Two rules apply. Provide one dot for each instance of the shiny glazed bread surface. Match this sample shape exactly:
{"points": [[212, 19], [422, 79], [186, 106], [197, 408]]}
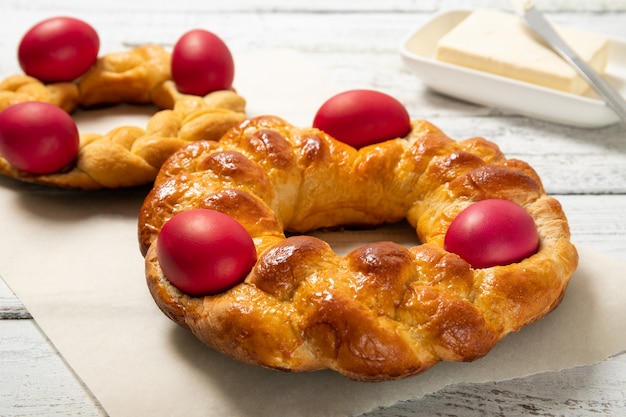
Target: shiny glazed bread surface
{"points": [[383, 311]]}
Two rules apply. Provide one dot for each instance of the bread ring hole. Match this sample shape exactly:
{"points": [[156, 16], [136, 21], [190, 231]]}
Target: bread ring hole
{"points": [[345, 240], [103, 120]]}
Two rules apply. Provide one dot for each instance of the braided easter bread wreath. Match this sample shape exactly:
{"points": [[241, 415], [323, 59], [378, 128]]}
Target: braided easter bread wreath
{"points": [[128, 155], [383, 311]]}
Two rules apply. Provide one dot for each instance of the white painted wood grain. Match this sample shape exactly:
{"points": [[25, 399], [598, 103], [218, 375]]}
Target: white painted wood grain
{"points": [[10, 306], [597, 390], [35, 381]]}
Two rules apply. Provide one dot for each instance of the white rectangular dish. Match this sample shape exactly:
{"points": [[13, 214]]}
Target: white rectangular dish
{"points": [[589, 111]]}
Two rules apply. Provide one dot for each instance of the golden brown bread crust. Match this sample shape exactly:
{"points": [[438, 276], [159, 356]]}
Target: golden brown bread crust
{"points": [[126, 156], [383, 311], [125, 77], [20, 88]]}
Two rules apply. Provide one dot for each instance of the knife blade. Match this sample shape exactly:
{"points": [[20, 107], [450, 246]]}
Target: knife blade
{"points": [[540, 25]]}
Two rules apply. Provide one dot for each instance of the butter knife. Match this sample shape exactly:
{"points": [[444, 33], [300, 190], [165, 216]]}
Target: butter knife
{"points": [[538, 24]]}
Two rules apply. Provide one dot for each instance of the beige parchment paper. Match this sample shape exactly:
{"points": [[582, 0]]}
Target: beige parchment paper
{"points": [[73, 260]]}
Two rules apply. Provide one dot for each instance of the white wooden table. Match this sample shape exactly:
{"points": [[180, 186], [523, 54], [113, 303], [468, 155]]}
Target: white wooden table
{"points": [[356, 44]]}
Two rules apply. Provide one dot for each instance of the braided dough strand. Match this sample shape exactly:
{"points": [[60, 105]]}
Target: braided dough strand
{"points": [[20, 88], [125, 77], [383, 311], [126, 156]]}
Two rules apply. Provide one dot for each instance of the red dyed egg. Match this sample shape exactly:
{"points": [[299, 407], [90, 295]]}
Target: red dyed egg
{"points": [[202, 63], [58, 49], [38, 138], [492, 232], [363, 117], [205, 252]]}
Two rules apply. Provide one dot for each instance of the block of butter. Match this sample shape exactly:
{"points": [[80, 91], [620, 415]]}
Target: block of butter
{"points": [[501, 43]]}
